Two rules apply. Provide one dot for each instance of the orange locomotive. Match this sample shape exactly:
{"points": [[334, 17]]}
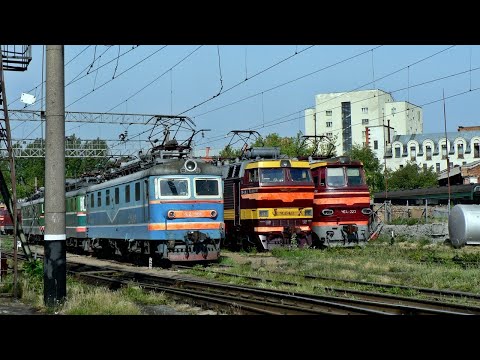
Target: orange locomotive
{"points": [[268, 199], [341, 205]]}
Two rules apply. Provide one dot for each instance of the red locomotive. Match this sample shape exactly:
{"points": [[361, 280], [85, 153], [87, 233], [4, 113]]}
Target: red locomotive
{"points": [[341, 205]]}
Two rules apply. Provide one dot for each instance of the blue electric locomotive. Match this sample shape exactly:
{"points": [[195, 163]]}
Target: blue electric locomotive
{"points": [[164, 204], [173, 210]]}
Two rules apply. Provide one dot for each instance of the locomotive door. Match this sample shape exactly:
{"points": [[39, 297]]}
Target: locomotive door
{"points": [[146, 202], [236, 199]]}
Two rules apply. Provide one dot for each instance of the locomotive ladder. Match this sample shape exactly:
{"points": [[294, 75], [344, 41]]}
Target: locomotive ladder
{"points": [[10, 200]]}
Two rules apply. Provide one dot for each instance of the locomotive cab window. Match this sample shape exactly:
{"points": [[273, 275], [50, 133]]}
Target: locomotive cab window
{"points": [[300, 175], [335, 177], [253, 175], [272, 175], [206, 187], [354, 176], [171, 187]]}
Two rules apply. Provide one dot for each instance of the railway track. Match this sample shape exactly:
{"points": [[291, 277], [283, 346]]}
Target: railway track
{"points": [[435, 301], [238, 299]]}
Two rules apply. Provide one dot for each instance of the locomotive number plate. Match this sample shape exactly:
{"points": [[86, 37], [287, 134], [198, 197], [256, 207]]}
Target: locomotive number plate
{"points": [[348, 211]]}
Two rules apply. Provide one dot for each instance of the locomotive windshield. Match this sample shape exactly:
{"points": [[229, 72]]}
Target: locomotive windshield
{"points": [[276, 175], [300, 175], [341, 176], [272, 175], [206, 187], [172, 187]]}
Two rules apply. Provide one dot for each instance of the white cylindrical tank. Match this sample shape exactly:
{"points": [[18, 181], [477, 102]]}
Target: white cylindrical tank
{"points": [[464, 225]]}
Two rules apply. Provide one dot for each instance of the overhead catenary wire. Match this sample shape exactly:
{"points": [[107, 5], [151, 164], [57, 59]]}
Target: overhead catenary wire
{"points": [[41, 84], [123, 72], [246, 78], [363, 85], [276, 120], [286, 83]]}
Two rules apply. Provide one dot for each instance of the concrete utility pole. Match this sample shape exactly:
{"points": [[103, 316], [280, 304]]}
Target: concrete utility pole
{"points": [[55, 267]]}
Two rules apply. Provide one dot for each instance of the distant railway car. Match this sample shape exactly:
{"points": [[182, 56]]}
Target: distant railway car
{"points": [[267, 200], [341, 205], [6, 224], [33, 217], [459, 194]]}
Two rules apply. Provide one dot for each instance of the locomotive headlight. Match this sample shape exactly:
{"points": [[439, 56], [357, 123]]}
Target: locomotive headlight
{"points": [[171, 214], [263, 213], [327, 212], [308, 212], [366, 211], [190, 165], [213, 213]]}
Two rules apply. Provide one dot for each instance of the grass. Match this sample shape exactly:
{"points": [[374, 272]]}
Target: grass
{"points": [[409, 262]]}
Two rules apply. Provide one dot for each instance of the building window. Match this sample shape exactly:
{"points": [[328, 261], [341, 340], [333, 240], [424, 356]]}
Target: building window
{"points": [[464, 163], [460, 151], [401, 166], [476, 150], [328, 112], [397, 152], [428, 150], [375, 144], [364, 121], [424, 166], [413, 154], [329, 124], [444, 151], [329, 134], [364, 133], [437, 167], [364, 110]]}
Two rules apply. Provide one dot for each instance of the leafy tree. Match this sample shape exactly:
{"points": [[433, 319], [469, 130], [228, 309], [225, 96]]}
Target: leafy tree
{"points": [[229, 153], [412, 177], [371, 165], [29, 170]]}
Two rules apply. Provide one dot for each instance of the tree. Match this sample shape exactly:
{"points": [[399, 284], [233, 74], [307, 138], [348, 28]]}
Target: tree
{"points": [[412, 177], [229, 153], [371, 165]]}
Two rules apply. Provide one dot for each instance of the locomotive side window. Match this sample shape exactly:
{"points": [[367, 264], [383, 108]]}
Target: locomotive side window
{"points": [[137, 191], [354, 176], [107, 197], [127, 193], [253, 175], [82, 203], [117, 195], [206, 187], [335, 177], [99, 199], [92, 203], [300, 175]]}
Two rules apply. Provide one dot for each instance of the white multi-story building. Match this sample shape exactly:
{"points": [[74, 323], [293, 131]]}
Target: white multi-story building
{"points": [[347, 115], [427, 150]]}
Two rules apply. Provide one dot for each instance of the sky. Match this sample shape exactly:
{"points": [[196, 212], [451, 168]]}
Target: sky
{"points": [[238, 87]]}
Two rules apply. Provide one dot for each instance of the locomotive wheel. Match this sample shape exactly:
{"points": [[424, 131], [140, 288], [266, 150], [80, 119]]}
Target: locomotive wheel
{"points": [[107, 250], [316, 242]]}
